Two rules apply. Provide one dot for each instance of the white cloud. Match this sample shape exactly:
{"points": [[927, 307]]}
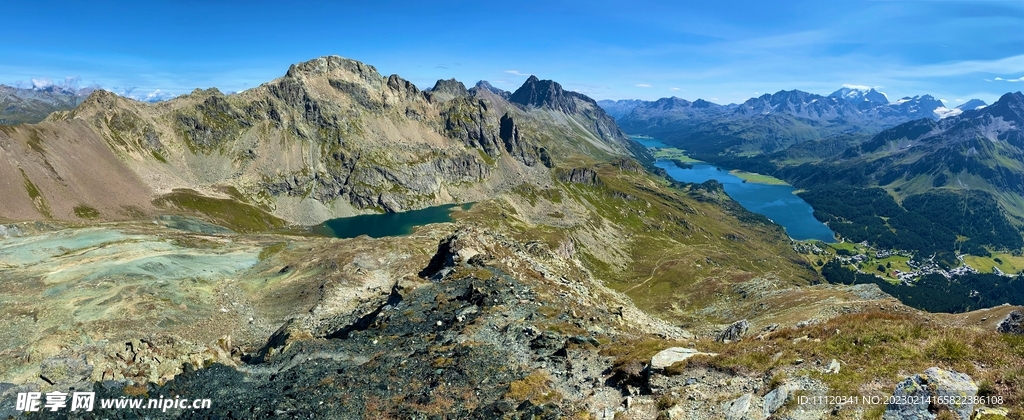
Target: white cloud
{"points": [[41, 83], [999, 78], [959, 100], [1021, 79], [943, 100], [857, 87], [516, 72], [675, 89], [156, 96], [643, 85]]}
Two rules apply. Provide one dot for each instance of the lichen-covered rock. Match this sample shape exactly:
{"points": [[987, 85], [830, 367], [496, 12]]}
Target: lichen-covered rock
{"points": [[1012, 324], [918, 394], [735, 331], [914, 391], [775, 399], [944, 383]]}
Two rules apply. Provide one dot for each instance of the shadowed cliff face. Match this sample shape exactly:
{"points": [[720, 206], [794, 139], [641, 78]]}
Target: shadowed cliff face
{"points": [[330, 138]]}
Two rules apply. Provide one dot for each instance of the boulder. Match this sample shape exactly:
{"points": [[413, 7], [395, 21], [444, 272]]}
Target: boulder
{"points": [[1012, 323], [735, 331], [946, 383], [739, 408], [671, 355], [934, 382], [775, 399]]}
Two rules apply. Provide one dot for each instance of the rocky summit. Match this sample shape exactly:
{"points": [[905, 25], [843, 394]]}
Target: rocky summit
{"points": [[162, 253]]}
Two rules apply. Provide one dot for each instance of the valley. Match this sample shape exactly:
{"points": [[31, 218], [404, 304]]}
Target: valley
{"points": [[937, 186]]}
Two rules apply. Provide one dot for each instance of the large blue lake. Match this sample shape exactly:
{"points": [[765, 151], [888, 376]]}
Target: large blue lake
{"points": [[777, 202]]}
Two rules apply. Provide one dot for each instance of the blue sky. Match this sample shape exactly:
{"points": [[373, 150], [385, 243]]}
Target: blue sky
{"points": [[721, 51]]}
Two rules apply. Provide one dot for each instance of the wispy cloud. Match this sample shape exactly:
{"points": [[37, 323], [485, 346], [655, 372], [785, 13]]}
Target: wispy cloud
{"points": [[999, 78], [1021, 79], [643, 85], [674, 89], [516, 72], [857, 87], [1004, 65]]}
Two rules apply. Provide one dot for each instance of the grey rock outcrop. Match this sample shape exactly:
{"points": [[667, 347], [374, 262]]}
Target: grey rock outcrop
{"points": [[735, 331], [468, 120], [775, 399], [916, 390], [740, 408], [1012, 324], [670, 356], [585, 176]]}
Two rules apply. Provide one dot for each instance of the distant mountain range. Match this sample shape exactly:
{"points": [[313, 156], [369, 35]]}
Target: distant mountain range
{"points": [[977, 149], [21, 105], [773, 122]]}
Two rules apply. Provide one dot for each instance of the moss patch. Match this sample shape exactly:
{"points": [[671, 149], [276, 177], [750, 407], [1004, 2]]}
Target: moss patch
{"points": [[85, 212], [229, 213], [37, 197]]}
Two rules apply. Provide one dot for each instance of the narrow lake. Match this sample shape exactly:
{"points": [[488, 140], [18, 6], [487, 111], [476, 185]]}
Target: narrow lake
{"points": [[386, 224], [777, 202]]}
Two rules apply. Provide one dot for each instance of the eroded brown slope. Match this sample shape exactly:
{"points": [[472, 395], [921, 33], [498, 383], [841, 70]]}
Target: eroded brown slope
{"points": [[50, 169]]}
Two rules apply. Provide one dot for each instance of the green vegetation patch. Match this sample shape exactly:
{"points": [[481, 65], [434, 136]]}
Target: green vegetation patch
{"points": [[85, 212], [671, 153], [757, 178], [37, 197], [1007, 263], [229, 213], [535, 387], [271, 250]]}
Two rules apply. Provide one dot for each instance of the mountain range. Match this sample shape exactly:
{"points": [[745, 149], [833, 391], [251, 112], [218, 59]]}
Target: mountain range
{"points": [[21, 105], [305, 147], [773, 122]]}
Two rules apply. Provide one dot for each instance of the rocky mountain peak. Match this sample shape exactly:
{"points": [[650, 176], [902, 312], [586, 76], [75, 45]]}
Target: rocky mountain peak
{"points": [[1010, 107], [450, 86], [333, 64], [485, 85], [700, 103], [972, 105], [672, 103], [859, 94], [544, 93], [445, 90]]}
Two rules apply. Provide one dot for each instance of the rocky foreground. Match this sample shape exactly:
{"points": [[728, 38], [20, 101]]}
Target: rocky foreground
{"points": [[490, 328]]}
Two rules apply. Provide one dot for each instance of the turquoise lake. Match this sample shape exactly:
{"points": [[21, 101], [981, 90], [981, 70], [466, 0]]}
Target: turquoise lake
{"points": [[776, 202], [386, 224]]}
